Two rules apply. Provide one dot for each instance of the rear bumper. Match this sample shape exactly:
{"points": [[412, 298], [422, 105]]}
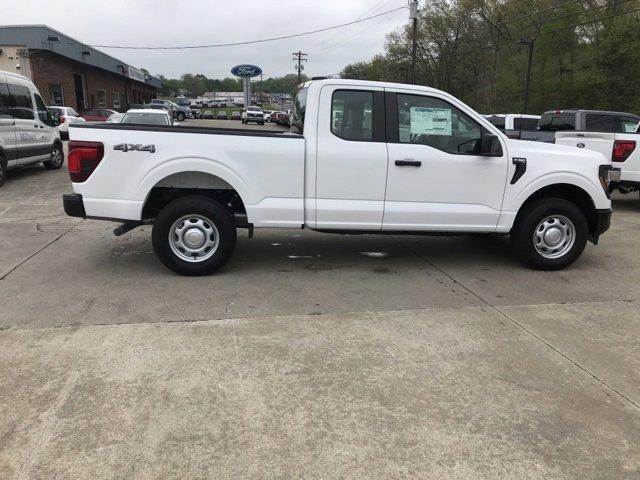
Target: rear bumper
{"points": [[601, 224], [73, 205]]}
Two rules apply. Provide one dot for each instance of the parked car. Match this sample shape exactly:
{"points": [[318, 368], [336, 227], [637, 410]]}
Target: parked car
{"points": [[282, 119], [28, 132], [253, 114], [115, 118], [179, 112], [420, 156], [161, 106], [582, 121], [236, 116], [512, 125], [148, 116], [64, 116], [96, 114], [208, 115], [622, 148], [222, 115]]}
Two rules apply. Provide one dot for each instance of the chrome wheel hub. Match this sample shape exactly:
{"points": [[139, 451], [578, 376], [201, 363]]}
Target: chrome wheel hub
{"points": [[554, 236], [193, 238]]}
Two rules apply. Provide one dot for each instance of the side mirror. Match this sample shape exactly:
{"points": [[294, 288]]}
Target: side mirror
{"points": [[490, 145]]}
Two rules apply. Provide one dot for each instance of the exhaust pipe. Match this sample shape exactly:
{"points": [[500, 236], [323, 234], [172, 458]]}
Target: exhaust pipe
{"points": [[626, 189]]}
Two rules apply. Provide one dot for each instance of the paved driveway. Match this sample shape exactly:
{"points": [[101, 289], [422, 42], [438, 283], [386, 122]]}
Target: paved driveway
{"points": [[311, 355]]}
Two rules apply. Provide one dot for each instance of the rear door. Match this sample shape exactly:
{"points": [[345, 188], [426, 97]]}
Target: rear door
{"points": [[47, 132], [7, 125], [351, 169]]}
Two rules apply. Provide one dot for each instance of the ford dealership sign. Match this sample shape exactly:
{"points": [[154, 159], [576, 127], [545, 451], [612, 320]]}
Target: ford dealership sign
{"points": [[246, 71]]}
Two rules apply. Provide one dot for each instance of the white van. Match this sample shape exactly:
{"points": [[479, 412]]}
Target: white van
{"points": [[28, 132]]}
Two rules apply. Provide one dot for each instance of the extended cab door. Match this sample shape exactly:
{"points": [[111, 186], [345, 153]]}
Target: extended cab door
{"points": [[437, 179], [351, 168]]}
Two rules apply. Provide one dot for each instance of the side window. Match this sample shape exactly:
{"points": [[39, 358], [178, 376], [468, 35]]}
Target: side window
{"points": [[43, 113], [6, 102], [23, 105], [352, 115], [438, 124], [598, 122], [628, 125]]}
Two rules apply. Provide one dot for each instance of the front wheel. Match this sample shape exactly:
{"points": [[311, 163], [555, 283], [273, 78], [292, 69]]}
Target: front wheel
{"points": [[550, 234], [194, 236], [56, 158]]}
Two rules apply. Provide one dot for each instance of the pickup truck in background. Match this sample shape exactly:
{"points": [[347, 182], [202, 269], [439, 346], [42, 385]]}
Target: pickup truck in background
{"points": [[402, 159], [622, 148], [580, 120], [513, 124]]}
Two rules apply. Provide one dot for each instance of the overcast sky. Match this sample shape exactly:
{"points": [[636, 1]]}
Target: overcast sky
{"points": [[191, 22]]}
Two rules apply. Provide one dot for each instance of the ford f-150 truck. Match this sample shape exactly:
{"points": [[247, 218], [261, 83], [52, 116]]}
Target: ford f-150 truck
{"points": [[622, 148], [402, 158]]}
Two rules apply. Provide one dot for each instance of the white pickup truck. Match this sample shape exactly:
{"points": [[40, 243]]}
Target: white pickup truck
{"points": [[401, 158], [622, 148]]}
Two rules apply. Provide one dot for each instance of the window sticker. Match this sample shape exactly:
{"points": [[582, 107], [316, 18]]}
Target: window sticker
{"points": [[430, 121]]}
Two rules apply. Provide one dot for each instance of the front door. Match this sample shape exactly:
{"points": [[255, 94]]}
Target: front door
{"points": [[351, 158], [437, 180]]}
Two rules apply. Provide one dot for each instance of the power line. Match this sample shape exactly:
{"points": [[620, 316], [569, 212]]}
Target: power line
{"points": [[251, 42], [537, 12]]}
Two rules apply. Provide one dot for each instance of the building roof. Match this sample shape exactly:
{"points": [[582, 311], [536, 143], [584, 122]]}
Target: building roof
{"points": [[42, 37]]}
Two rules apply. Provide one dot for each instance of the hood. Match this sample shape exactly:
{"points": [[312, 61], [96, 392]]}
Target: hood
{"points": [[541, 151]]}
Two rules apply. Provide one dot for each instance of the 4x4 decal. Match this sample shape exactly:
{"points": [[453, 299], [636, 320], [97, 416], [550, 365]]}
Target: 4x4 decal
{"points": [[127, 147]]}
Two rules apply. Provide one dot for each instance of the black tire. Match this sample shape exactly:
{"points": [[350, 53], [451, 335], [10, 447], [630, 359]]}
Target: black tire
{"points": [[181, 116], [3, 170], [56, 159], [554, 212], [214, 216]]}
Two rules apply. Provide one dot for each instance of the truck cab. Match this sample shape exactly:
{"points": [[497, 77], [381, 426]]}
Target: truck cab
{"points": [[366, 157]]}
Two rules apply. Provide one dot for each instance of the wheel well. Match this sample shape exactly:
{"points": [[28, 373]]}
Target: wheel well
{"points": [[192, 183], [575, 195]]}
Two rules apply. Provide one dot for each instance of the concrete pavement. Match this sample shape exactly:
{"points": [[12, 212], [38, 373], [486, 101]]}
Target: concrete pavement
{"points": [[311, 355]]}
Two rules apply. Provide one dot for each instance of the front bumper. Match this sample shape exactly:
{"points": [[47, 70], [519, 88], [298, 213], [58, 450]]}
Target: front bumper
{"points": [[73, 205], [600, 224]]}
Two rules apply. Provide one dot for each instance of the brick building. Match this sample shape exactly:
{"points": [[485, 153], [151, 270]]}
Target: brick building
{"points": [[70, 73]]}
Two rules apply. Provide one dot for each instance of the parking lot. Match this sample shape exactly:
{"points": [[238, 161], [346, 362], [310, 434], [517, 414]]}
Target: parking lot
{"points": [[311, 355]]}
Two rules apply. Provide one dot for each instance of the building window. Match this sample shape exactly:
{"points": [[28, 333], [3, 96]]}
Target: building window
{"points": [[116, 99], [56, 96], [102, 98]]}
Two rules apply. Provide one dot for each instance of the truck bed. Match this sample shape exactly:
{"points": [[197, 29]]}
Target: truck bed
{"points": [[265, 168]]}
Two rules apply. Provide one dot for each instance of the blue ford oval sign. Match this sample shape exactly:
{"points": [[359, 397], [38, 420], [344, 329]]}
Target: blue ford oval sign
{"points": [[246, 71]]}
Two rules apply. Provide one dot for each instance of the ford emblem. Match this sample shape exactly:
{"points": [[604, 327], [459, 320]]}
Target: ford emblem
{"points": [[580, 145], [246, 71]]}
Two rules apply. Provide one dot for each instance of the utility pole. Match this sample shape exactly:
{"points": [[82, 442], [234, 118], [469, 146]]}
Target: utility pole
{"points": [[299, 57], [529, 42], [413, 15]]}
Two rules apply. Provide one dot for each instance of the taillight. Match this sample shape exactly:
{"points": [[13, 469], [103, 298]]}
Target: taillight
{"points": [[622, 149], [83, 159], [61, 120]]}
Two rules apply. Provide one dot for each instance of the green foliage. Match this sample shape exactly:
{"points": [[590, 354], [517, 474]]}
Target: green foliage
{"points": [[469, 48], [199, 84]]}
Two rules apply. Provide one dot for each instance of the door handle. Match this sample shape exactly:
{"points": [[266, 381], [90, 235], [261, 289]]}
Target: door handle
{"points": [[35, 126], [408, 163]]}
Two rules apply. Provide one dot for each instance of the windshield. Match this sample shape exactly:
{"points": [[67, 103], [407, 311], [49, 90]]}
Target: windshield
{"points": [[297, 121], [146, 119]]}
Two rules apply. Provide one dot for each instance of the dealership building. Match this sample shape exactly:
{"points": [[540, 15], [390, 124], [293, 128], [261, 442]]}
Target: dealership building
{"points": [[70, 73]]}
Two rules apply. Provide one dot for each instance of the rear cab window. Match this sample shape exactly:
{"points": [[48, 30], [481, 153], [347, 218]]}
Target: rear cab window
{"points": [[601, 122], [352, 115], [300, 106], [556, 121], [525, 123], [498, 121]]}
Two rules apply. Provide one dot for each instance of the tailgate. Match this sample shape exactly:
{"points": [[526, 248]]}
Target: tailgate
{"points": [[598, 142]]}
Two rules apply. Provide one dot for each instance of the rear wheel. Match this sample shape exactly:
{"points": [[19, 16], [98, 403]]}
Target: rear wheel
{"points": [[194, 236], [56, 158], [181, 116], [550, 234]]}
